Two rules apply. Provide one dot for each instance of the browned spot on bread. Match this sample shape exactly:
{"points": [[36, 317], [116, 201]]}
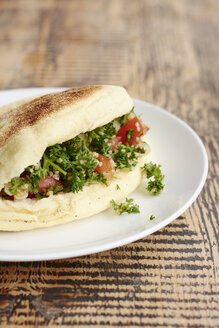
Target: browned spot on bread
{"points": [[30, 113]]}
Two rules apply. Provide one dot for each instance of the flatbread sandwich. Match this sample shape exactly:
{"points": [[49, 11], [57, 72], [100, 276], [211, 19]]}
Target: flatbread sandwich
{"points": [[65, 156]]}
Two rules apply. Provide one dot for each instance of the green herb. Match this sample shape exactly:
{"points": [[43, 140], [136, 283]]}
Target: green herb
{"points": [[152, 217], [83, 161], [73, 161], [140, 150], [129, 134], [47, 162], [57, 188], [60, 156], [117, 187], [128, 206], [45, 192], [98, 177], [34, 173], [98, 138], [75, 181], [155, 176], [123, 119], [15, 184], [81, 168], [125, 157]]}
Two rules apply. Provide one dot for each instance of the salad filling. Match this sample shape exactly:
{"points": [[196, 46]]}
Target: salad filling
{"points": [[93, 156]]}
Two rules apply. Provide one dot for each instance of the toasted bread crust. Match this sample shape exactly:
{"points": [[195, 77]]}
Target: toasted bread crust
{"points": [[27, 130], [32, 112]]}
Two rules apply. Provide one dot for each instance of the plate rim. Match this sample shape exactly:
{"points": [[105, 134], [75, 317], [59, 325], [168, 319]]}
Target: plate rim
{"points": [[54, 255]]}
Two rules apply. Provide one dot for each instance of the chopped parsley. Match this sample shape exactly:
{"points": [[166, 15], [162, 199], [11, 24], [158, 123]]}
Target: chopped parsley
{"points": [[34, 173], [58, 188], [129, 134], [15, 184], [74, 162], [98, 138], [128, 206], [125, 157], [124, 118], [117, 187], [155, 177], [45, 192], [152, 217]]}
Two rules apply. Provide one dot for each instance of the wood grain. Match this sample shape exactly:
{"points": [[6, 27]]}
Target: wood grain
{"points": [[162, 51]]}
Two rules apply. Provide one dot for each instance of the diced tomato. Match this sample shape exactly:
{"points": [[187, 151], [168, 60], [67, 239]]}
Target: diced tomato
{"points": [[133, 124], [11, 197], [114, 142], [45, 183], [104, 164]]}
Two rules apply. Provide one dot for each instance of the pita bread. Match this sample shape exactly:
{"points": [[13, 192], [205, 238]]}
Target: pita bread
{"points": [[32, 127], [27, 130]]}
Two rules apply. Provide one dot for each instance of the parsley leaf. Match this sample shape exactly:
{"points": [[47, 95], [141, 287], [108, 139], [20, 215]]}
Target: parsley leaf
{"points": [[129, 134], [81, 168], [124, 118], [58, 188], [98, 177], [98, 138], [54, 165], [75, 181], [128, 206], [125, 157], [140, 150], [152, 217], [155, 176], [34, 173], [15, 184]]}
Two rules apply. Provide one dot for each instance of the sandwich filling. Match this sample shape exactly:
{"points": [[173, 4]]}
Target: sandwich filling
{"points": [[92, 157]]}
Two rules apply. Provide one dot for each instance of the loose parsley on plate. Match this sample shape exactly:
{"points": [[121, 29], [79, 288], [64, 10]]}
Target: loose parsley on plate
{"points": [[128, 206], [155, 176]]}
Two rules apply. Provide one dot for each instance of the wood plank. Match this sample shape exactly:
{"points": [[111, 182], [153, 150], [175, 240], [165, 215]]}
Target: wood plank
{"points": [[165, 52]]}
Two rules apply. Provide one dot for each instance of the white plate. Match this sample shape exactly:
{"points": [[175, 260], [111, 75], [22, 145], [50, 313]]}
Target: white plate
{"points": [[184, 162]]}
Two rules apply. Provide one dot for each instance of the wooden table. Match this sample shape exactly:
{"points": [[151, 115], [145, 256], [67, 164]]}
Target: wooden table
{"points": [[165, 52]]}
